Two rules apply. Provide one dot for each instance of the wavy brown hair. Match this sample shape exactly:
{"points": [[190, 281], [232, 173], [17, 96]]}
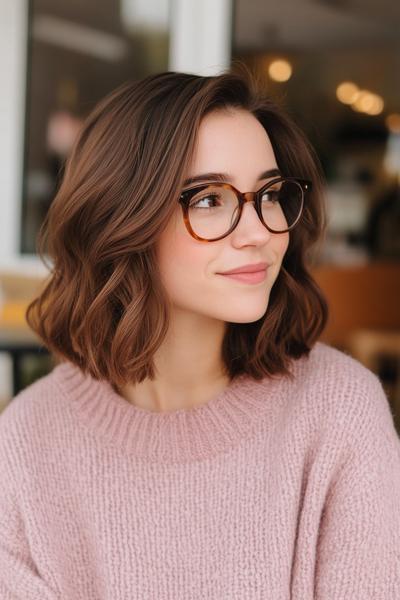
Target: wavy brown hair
{"points": [[103, 306]]}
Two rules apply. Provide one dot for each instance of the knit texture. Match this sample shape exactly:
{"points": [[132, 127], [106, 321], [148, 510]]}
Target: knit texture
{"points": [[273, 489]]}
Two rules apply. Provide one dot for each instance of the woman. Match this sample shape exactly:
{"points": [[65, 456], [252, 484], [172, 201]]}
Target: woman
{"points": [[195, 439]]}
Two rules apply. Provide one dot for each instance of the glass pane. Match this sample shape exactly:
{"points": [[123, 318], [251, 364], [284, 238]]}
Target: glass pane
{"points": [[78, 52]]}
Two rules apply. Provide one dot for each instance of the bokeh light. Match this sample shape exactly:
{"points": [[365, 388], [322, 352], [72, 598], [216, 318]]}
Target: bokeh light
{"points": [[280, 70]]}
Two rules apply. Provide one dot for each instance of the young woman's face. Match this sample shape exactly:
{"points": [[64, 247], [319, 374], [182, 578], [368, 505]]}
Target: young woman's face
{"points": [[235, 143]]}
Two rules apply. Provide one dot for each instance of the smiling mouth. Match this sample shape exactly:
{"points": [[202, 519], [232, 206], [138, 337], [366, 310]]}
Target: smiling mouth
{"points": [[246, 277]]}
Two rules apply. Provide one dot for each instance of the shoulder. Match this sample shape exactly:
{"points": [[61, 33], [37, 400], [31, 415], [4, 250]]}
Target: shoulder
{"points": [[31, 410], [327, 363], [342, 390], [333, 371]]}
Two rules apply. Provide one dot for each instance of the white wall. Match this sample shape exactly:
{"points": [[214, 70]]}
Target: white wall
{"points": [[13, 66], [200, 40], [13, 40]]}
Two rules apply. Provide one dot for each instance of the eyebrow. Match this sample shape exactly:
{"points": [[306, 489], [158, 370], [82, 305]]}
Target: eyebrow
{"points": [[223, 177]]}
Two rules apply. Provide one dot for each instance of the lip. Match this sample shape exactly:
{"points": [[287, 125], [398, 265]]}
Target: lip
{"points": [[255, 277], [252, 268]]}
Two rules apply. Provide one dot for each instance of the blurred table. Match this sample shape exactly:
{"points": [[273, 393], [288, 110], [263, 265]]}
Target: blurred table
{"points": [[18, 340]]}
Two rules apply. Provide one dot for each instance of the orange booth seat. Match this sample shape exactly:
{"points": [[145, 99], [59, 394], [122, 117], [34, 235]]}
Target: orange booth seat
{"points": [[364, 320]]}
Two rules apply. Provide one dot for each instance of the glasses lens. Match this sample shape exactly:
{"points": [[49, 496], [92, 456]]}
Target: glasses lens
{"points": [[212, 211], [214, 208], [281, 204]]}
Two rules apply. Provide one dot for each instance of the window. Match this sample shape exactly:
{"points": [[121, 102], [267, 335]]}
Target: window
{"points": [[77, 53]]}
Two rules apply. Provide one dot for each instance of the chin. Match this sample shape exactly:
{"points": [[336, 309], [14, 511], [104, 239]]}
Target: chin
{"points": [[239, 317]]}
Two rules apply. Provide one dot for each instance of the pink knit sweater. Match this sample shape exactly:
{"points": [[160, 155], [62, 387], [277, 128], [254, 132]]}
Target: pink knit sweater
{"points": [[273, 490]]}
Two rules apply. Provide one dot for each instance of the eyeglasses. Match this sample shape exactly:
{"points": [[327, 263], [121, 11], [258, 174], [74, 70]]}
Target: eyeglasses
{"points": [[211, 211]]}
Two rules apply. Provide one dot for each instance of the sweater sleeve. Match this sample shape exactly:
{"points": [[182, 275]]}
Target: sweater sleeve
{"points": [[358, 550], [19, 576]]}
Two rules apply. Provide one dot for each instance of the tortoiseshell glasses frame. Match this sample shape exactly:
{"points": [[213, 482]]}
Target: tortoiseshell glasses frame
{"points": [[184, 200]]}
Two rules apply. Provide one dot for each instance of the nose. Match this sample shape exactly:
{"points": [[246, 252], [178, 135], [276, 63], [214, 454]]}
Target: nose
{"points": [[250, 226]]}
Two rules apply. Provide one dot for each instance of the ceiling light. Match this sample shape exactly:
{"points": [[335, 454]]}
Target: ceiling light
{"points": [[280, 70], [347, 92], [368, 102]]}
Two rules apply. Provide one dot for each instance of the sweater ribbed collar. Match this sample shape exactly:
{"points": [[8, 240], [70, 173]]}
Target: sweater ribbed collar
{"points": [[176, 436]]}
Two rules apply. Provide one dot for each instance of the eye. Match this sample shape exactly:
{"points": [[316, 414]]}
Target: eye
{"points": [[211, 198], [270, 195]]}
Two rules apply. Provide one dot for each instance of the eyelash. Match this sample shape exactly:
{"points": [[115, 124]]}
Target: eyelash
{"points": [[192, 205]]}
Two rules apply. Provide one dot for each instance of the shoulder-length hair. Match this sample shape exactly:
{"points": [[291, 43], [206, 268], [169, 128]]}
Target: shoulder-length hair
{"points": [[103, 307]]}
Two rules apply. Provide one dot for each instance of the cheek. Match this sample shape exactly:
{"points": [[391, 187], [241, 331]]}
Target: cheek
{"points": [[182, 261], [280, 245]]}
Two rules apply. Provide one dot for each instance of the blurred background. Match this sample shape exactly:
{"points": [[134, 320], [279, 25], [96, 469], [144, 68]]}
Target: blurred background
{"points": [[334, 66]]}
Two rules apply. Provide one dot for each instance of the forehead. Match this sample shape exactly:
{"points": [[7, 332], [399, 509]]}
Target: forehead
{"points": [[234, 141]]}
